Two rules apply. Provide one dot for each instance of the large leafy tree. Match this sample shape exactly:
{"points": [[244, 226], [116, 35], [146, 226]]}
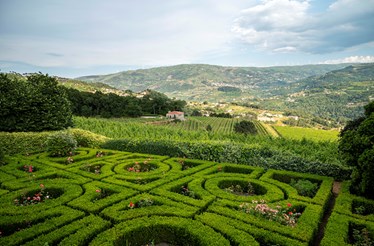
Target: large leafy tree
{"points": [[357, 150], [34, 103]]}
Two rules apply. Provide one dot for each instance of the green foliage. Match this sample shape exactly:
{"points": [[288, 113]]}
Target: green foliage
{"points": [[2, 156], [34, 103], [299, 133], [209, 128], [305, 187], [113, 105], [357, 150], [61, 144], [246, 127], [28, 142]]}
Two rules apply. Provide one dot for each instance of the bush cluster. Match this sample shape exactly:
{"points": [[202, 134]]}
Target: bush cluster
{"points": [[228, 152], [34, 103], [28, 142]]}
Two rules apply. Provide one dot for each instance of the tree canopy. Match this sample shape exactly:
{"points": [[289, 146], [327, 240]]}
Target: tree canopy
{"points": [[33, 103], [357, 150]]}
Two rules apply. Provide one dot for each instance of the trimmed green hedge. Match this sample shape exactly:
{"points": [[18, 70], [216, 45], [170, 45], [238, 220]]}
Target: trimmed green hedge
{"points": [[79, 232], [233, 230], [161, 206], [157, 229], [338, 229], [304, 231], [29, 142], [229, 152], [352, 205], [43, 222], [283, 178]]}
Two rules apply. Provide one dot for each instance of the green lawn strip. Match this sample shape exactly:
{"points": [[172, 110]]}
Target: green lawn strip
{"points": [[79, 232], [18, 229], [282, 179], [339, 227], [307, 224], [60, 191], [99, 195], [173, 190], [240, 233], [352, 205], [263, 191], [161, 206], [158, 229]]}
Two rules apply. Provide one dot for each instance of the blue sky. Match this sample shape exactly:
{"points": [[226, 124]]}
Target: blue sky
{"points": [[73, 38]]}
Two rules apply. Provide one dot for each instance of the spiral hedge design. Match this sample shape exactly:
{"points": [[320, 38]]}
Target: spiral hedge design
{"points": [[99, 198]]}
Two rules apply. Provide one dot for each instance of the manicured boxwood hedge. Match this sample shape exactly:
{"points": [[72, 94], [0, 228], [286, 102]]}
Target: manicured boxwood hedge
{"points": [[117, 205], [234, 153]]}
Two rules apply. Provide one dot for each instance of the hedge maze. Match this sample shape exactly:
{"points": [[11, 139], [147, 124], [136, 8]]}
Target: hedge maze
{"points": [[118, 198]]}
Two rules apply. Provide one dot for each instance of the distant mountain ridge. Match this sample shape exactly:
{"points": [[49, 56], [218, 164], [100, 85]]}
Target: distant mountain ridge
{"points": [[201, 82], [329, 93]]}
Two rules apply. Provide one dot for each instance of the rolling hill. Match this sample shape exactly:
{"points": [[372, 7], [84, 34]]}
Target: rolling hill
{"points": [[326, 94]]}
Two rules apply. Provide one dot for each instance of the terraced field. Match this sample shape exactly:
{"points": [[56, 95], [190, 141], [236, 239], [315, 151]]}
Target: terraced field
{"points": [[120, 198]]}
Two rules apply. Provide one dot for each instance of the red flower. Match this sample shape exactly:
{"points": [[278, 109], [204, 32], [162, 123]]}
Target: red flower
{"points": [[98, 191], [290, 213], [131, 205], [41, 185], [289, 204], [30, 169]]}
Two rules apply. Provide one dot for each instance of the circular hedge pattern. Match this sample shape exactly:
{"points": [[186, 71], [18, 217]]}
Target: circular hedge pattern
{"points": [[98, 199]]}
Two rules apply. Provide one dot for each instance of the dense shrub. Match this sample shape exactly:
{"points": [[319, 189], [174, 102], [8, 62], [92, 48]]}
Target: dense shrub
{"points": [[61, 144], [357, 150], [27, 142], [228, 152], [34, 103], [1, 155], [304, 187], [246, 127]]}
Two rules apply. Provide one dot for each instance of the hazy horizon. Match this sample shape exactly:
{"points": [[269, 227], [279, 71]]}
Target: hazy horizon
{"points": [[77, 38]]}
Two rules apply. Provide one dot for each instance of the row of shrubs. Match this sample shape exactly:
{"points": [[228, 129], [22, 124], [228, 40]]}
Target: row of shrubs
{"points": [[60, 143], [30, 142], [233, 153]]}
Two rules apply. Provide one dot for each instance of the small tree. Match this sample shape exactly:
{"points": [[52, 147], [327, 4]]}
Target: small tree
{"points": [[246, 127], [356, 146], [209, 128]]}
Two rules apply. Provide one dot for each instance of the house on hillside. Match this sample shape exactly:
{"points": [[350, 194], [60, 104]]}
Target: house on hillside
{"points": [[175, 115]]}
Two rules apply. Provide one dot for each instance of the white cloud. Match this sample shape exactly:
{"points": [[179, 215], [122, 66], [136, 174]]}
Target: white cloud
{"points": [[289, 25], [351, 59]]}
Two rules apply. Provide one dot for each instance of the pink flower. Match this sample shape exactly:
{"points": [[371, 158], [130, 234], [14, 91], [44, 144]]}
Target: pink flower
{"points": [[30, 169], [28, 198], [289, 204], [41, 185], [98, 191]]}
